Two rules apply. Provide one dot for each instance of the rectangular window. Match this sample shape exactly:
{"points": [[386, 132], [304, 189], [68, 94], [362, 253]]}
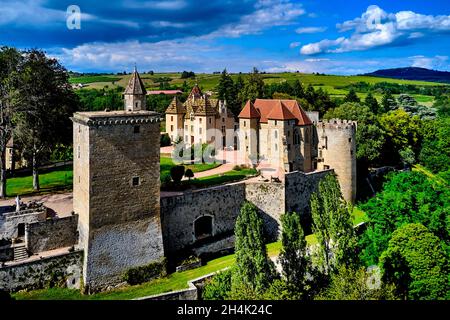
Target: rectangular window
{"points": [[200, 130], [137, 129], [244, 124], [209, 120], [326, 167], [276, 147], [275, 122], [200, 119], [78, 151], [171, 118], [171, 128], [192, 128], [136, 181], [186, 127]]}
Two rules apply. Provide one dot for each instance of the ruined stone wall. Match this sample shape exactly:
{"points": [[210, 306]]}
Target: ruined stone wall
{"points": [[178, 213], [63, 269], [51, 234]]}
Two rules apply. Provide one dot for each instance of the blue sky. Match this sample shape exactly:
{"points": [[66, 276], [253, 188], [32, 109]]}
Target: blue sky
{"points": [[335, 37]]}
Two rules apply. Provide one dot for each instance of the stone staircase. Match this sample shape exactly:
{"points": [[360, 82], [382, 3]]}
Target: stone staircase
{"points": [[20, 253]]}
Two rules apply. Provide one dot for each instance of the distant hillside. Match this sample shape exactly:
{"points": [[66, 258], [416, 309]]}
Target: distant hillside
{"points": [[412, 73]]}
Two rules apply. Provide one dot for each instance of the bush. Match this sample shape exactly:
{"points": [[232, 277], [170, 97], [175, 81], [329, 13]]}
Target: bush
{"points": [[189, 174], [218, 287], [165, 140], [237, 168], [145, 273], [177, 173]]}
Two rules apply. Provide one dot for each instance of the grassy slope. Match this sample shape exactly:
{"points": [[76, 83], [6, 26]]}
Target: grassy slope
{"points": [[174, 281], [330, 83]]}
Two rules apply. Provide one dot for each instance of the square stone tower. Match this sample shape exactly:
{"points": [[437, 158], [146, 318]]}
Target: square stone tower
{"points": [[116, 193]]}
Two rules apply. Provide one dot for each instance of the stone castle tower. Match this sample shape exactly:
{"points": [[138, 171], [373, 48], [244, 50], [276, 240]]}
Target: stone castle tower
{"points": [[135, 93], [248, 129], [116, 192], [337, 150]]}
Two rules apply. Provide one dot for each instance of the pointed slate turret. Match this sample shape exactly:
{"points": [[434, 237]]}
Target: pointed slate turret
{"points": [[135, 93], [175, 107]]}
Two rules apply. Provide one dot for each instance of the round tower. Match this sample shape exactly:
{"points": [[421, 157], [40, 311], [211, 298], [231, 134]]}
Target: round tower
{"points": [[337, 150]]}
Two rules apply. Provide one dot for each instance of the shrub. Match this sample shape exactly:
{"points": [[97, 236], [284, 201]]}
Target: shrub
{"points": [[218, 287], [189, 174], [177, 173], [165, 140], [237, 168], [145, 273]]}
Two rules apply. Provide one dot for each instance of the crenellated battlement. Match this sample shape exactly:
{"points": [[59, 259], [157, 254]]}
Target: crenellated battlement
{"points": [[338, 124]]}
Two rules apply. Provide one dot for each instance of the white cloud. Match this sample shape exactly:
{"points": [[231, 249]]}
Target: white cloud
{"points": [[310, 30], [268, 14], [377, 28], [435, 62], [161, 5], [294, 45]]}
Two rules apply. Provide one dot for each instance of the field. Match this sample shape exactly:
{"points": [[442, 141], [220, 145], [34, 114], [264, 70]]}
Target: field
{"points": [[331, 83]]}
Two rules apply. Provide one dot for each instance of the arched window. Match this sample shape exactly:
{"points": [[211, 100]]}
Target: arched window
{"points": [[203, 227]]}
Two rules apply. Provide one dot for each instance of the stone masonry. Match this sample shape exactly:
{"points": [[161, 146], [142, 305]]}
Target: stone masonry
{"points": [[116, 193]]}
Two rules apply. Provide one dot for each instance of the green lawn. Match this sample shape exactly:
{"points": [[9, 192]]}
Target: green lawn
{"points": [[59, 179], [50, 180], [166, 163], [226, 177]]}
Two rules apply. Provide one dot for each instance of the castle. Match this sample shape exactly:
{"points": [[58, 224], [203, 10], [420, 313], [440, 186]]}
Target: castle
{"points": [[201, 119], [121, 220]]}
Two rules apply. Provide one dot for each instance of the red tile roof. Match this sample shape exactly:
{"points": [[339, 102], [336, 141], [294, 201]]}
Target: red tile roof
{"points": [[277, 110], [280, 112], [249, 111], [168, 92]]}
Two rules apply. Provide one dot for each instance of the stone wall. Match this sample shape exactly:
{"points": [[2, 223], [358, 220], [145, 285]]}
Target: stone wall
{"points": [[299, 187], [10, 221], [64, 269], [51, 234], [269, 198], [178, 213]]}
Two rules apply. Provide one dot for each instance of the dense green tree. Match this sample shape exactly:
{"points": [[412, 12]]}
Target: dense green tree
{"points": [[10, 59], [442, 105], [402, 131], [254, 270], [226, 91], [407, 156], [352, 97], [297, 89], [359, 284], [372, 103], [388, 103], [189, 174], [47, 101], [254, 87], [333, 227], [293, 257], [435, 152], [407, 197], [417, 263]]}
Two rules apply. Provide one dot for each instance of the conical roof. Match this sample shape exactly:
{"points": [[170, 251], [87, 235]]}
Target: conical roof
{"points": [[176, 107], [135, 84]]}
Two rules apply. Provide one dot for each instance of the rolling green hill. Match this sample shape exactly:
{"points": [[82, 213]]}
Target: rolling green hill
{"points": [[334, 85]]}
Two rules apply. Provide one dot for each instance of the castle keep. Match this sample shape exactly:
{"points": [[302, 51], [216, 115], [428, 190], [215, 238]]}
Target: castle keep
{"points": [[116, 192]]}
